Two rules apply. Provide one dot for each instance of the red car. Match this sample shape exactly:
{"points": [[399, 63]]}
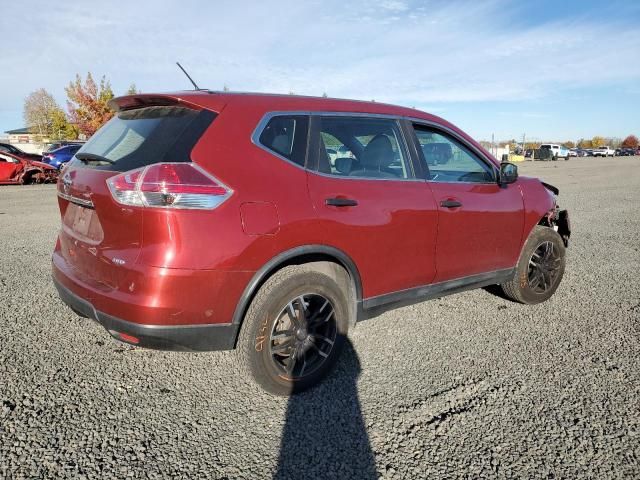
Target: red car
{"points": [[207, 221], [13, 150], [16, 170]]}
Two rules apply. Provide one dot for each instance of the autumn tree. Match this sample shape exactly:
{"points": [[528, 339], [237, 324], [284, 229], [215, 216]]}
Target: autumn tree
{"points": [[585, 143], [569, 144], [132, 90], [630, 142], [597, 142], [88, 103]]}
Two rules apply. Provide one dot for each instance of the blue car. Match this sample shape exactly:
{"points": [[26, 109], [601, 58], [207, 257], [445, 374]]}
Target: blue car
{"points": [[58, 157]]}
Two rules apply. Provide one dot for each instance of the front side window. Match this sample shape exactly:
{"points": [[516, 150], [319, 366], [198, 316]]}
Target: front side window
{"points": [[8, 159], [448, 160], [364, 148], [286, 135]]}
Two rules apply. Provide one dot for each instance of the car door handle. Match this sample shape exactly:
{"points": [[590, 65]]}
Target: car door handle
{"points": [[450, 204], [340, 202]]}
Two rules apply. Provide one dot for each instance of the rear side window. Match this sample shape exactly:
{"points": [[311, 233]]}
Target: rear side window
{"points": [[286, 136], [140, 137]]}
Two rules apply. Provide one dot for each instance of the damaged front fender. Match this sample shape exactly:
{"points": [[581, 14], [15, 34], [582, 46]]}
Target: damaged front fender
{"points": [[556, 218]]}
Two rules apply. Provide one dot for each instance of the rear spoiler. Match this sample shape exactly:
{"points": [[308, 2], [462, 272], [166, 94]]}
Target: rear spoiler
{"points": [[130, 102]]}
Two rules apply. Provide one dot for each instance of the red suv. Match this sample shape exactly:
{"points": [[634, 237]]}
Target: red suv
{"points": [[271, 224]]}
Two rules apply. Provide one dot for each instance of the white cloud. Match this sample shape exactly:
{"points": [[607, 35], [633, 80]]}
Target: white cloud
{"points": [[390, 50], [394, 5]]}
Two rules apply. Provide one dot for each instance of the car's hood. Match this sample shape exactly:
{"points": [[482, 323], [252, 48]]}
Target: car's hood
{"points": [[42, 165]]}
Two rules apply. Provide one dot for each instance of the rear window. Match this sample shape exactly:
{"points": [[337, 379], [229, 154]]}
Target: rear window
{"points": [[140, 137]]}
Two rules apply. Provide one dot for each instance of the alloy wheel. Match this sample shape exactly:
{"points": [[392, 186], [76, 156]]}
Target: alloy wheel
{"points": [[544, 266], [303, 335]]}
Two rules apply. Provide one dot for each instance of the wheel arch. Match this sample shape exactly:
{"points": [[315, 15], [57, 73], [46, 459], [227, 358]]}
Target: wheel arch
{"points": [[298, 256]]}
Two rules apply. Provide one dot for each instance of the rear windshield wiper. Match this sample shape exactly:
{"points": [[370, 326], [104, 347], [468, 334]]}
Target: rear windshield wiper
{"points": [[92, 157]]}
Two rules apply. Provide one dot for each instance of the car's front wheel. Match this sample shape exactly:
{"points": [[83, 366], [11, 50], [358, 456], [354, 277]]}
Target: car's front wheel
{"points": [[540, 268], [294, 330]]}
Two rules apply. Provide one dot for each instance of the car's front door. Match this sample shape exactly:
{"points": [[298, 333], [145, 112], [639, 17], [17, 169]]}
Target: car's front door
{"points": [[370, 204], [8, 167], [480, 223]]}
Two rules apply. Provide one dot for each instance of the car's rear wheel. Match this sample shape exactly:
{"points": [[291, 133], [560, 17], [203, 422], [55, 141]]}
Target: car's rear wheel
{"points": [[294, 330], [540, 268]]}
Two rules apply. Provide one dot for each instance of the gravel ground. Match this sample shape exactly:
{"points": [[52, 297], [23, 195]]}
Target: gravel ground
{"points": [[470, 385]]}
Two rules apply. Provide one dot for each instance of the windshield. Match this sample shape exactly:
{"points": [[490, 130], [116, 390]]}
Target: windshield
{"points": [[140, 137]]}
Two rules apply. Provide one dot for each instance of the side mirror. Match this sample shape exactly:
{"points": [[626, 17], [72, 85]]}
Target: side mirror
{"points": [[508, 173]]}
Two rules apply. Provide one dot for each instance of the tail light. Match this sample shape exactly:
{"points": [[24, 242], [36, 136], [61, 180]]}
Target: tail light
{"points": [[168, 185]]}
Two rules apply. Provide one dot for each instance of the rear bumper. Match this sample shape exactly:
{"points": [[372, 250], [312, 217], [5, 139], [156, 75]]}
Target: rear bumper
{"points": [[160, 337]]}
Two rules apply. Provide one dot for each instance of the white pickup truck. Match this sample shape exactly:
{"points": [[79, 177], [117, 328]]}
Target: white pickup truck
{"points": [[603, 152]]}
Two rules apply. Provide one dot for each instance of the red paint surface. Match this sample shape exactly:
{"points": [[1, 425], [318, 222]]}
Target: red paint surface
{"points": [[155, 266]]}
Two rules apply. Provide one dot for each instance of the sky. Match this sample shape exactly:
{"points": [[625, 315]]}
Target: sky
{"points": [[553, 70]]}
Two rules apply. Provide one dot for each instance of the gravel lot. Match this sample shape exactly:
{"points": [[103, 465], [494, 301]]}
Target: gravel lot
{"points": [[470, 385]]}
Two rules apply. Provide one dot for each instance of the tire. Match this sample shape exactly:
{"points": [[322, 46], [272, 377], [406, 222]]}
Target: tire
{"points": [[525, 286], [271, 333], [554, 158]]}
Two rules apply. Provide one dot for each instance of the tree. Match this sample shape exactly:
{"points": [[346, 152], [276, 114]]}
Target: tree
{"points": [[597, 142], [569, 144], [585, 143], [630, 142], [88, 103], [132, 90], [39, 108], [61, 129]]}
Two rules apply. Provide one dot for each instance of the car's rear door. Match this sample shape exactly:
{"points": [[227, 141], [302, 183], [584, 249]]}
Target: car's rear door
{"points": [[369, 202], [480, 222]]}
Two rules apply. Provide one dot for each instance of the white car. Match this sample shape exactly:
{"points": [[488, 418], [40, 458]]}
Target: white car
{"points": [[557, 151], [605, 151]]}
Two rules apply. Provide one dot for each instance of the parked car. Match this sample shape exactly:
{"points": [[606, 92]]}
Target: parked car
{"points": [[544, 154], [16, 170], [557, 151], [59, 157], [61, 143], [225, 225], [582, 153], [573, 152], [605, 151], [15, 151]]}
